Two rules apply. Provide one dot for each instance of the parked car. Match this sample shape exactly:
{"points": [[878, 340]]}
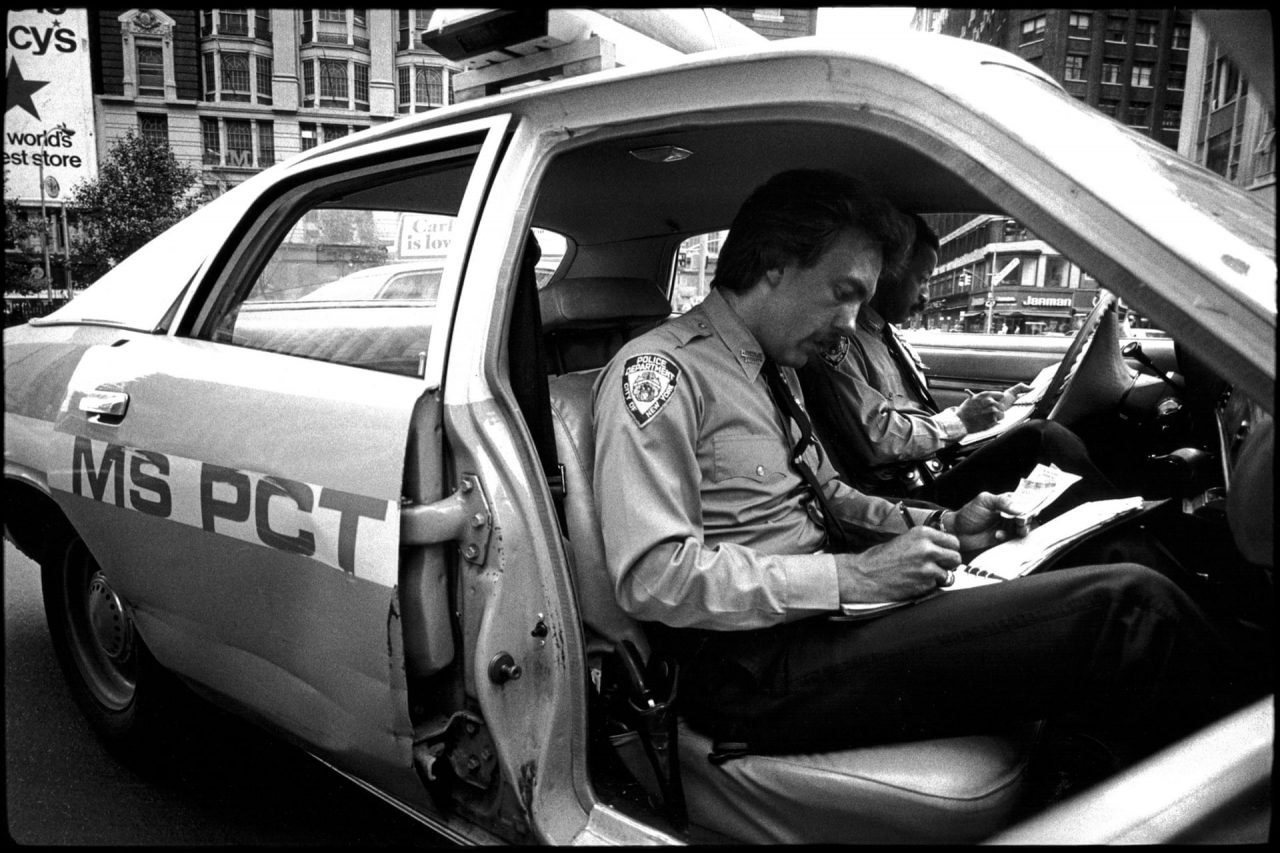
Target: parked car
{"points": [[376, 537]]}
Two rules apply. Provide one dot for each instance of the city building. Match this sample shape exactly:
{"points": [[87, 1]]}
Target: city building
{"points": [[1132, 64], [233, 91], [1228, 126], [777, 23]]}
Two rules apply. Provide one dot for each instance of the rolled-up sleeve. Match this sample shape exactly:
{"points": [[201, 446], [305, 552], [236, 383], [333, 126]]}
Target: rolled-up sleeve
{"points": [[647, 481]]}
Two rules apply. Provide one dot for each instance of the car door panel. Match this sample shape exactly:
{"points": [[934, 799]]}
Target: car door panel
{"points": [[283, 479], [956, 361]]}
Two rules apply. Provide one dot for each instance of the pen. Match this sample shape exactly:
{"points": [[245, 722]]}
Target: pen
{"points": [[906, 516], [970, 393]]}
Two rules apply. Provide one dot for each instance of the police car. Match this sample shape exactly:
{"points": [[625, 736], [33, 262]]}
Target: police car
{"points": [[376, 537]]}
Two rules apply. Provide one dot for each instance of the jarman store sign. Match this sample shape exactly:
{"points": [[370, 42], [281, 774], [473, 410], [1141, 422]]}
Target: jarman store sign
{"points": [[48, 112], [1047, 301]]}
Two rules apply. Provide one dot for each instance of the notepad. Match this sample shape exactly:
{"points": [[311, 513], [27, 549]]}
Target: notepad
{"points": [[1019, 411], [1018, 557]]}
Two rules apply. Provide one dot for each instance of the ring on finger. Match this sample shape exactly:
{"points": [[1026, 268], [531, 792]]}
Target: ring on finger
{"points": [[948, 580]]}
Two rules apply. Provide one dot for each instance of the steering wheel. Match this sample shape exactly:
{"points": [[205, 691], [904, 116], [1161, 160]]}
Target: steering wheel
{"points": [[1062, 396]]}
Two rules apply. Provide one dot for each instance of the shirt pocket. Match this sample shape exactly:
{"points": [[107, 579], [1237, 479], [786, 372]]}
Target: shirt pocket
{"points": [[747, 456]]}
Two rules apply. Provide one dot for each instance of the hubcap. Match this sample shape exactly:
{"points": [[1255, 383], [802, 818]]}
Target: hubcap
{"points": [[99, 631], [107, 620]]}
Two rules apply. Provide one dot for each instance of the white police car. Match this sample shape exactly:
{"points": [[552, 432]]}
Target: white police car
{"points": [[374, 533]]}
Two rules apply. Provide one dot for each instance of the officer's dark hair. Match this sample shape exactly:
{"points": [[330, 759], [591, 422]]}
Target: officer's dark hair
{"points": [[797, 216], [924, 234]]}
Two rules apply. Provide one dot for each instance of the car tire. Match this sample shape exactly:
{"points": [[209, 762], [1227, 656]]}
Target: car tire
{"points": [[119, 687]]}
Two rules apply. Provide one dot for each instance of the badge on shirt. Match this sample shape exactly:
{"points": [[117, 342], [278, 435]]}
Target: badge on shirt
{"points": [[835, 355], [647, 384]]}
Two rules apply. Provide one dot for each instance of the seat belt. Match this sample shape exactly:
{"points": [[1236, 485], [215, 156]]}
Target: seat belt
{"points": [[528, 367]]}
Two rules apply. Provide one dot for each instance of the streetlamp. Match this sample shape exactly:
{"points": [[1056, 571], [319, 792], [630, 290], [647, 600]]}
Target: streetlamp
{"points": [[50, 186]]}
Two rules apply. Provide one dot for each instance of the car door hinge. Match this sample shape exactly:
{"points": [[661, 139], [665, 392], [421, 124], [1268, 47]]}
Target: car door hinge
{"points": [[464, 516]]}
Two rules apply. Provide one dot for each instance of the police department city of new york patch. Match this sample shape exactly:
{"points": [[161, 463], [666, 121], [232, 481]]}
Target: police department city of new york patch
{"points": [[835, 355], [648, 382]]}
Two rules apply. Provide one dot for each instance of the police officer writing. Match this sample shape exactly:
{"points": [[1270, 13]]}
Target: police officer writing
{"points": [[874, 412], [728, 533]]}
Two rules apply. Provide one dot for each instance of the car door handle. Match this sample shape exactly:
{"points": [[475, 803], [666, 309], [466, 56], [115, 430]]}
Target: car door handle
{"points": [[104, 404]]}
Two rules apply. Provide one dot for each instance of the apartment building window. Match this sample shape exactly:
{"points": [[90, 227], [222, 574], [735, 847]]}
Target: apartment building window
{"points": [[1033, 28], [1181, 37], [154, 128], [1138, 114], [1110, 106], [358, 17], [1111, 72], [266, 143], [1225, 82], [334, 131], [150, 59], [233, 22], [421, 87], [411, 24], [1218, 152], [307, 133], [1177, 78], [239, 143], [361, 85], [212, 140], [210, 77], [333, 16], [1264, 153], [1116, 27], [308, 84], [1144, 33], [333, 83], [1075, 66], [1141, 75], [1171, 118], [1078, 22], [265, 71], [235, 77]]}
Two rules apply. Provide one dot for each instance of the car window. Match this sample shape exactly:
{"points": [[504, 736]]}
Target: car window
{"points": [[413, 285], [694, 268], [555, 248], [353, 280]]}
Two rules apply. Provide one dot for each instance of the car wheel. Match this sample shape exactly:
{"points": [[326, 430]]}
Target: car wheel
{"points": [[113, 678]]}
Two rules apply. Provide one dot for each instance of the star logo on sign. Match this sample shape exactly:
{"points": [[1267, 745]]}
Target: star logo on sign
{"points": [[20, 90]]}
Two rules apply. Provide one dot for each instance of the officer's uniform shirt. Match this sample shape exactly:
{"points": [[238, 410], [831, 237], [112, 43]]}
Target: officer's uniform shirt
{"points": [[705, 522], [869, 400]]}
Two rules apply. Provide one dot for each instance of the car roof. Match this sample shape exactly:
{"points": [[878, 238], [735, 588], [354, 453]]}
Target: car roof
{"points": [[939, 124]]}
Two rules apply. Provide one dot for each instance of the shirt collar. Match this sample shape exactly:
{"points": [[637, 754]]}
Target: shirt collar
{"points": [[733, 333], [870, 319]]}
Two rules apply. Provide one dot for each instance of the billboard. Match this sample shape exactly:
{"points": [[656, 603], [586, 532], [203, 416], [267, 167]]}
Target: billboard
{"points": [[48, 108]]}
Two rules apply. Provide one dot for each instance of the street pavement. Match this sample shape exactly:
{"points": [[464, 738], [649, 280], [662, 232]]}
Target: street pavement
{"points": [[222, 782]]}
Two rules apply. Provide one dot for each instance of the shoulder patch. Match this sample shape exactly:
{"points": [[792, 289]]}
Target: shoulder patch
{"points": [[648, 381], [835, 355]]}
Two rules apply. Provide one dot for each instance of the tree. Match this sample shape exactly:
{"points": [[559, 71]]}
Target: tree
{"points": [[140, 191]]}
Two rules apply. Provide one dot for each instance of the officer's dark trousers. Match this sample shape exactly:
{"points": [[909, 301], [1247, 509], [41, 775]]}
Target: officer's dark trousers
{"points": [[1117, 651], [998, 465]]}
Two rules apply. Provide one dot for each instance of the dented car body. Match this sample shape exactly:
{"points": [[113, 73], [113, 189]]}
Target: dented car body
{"points": [[355, 528]]}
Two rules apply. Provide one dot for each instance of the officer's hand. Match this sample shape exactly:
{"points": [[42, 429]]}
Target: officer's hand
{"points": [[981, 410], [907, 566], [1012, 394], [979, 524]]}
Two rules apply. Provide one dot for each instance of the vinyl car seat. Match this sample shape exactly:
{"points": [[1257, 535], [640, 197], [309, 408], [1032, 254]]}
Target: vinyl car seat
{"points": [[950, 790]]}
